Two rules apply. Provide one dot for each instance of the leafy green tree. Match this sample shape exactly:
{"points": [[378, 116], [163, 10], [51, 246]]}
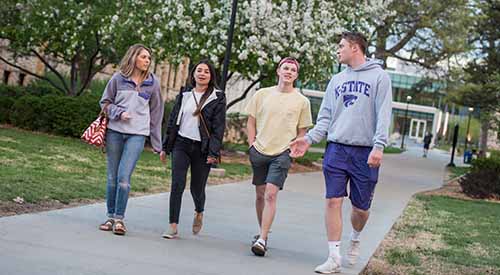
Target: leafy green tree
{"points": [[423, 32], [480, 87], [84, 35]]}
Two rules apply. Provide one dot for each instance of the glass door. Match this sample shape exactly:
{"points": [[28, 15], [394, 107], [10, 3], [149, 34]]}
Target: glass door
{"points": [[417, 128]]}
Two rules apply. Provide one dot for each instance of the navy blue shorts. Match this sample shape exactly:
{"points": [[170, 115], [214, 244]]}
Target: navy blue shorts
{"points": [[345, 163]]}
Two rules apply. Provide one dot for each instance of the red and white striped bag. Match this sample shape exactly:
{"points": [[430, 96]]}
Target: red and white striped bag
{"points": [[95, 134]]}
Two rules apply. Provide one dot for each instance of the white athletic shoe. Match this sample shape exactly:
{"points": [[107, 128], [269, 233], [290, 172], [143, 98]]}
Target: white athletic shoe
{"points": [[332, 265], [353, 252]]}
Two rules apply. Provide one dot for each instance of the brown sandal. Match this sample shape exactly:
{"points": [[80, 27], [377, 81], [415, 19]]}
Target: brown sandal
{"points": [[119, 231], [107, 225]]}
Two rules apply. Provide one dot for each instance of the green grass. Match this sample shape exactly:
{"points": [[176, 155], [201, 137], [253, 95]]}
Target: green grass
{"points": [[309, 158], [322, 144], [40, 167], [458, 234], [392, 150], [387, 150], [458, 171], [236, 147], [398, 256]]}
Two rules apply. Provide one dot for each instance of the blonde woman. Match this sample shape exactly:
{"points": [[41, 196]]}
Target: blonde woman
{"points": [[135, 109]]}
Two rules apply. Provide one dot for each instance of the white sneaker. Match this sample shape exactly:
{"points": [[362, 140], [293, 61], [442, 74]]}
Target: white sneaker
{"points": [[353, 252], [332, 265]]}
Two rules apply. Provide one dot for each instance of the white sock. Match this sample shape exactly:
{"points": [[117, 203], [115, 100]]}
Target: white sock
{"points": [[334, 248], [355, 235], [260, 240]]}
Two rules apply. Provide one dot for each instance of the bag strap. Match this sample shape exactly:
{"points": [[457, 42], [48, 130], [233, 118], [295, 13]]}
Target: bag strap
{"points": [[201, 115], [104, 110], [204, 123]]}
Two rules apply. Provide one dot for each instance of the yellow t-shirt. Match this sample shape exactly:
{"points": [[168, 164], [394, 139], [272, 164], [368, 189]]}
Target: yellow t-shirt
{"points": [[278, 116]]}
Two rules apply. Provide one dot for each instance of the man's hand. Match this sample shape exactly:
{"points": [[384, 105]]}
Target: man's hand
{"points": [[299, 147], [375, 157], [211, 160], [163, 157], [250, 142], [125, 116]]}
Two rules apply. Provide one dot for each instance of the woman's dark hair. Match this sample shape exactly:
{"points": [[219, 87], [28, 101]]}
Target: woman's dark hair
{"points": [[212, 84]]}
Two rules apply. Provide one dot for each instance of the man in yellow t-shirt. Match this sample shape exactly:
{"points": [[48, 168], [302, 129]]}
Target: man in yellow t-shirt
{"points": [[276, 116]]}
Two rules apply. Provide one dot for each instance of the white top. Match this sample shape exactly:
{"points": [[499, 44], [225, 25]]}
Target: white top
{"points": [[190, 124]]}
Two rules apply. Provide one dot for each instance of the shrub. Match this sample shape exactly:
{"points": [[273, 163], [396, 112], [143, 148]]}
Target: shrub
{"points": [[483, 181], [61, 115], [5, 108], [8, 95], [12, 91]]}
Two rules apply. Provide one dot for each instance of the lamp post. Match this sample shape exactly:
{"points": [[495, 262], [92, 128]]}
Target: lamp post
{"points": [[467, 132], [229, 44], [408, 99], [455, 138]]}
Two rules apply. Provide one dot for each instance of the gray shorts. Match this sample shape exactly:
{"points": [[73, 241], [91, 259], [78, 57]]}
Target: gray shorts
{"points": [[270, 169]]}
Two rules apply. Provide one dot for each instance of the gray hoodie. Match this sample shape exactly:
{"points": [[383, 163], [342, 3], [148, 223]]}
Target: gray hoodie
{"points": [[356, 108], [144, 105]]}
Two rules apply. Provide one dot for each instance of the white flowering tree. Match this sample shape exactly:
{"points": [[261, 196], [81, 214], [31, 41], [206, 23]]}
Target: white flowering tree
{"points": [[86, 35], [90, 35], [265, 32]]}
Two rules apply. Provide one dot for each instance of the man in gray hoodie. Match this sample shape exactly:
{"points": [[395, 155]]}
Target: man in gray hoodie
{"points": [[354, 116]]}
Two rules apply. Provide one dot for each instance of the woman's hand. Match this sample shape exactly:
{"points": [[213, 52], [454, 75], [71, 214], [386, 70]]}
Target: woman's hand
{"points": [[163, 157], [125, 116], [211, 160]]}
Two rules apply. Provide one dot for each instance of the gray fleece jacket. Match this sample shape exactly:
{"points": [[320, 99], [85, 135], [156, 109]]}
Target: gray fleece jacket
{"points": [[356, 108], [143, 104]]}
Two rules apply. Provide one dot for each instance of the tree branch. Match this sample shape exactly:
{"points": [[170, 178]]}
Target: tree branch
{"points": [[32, 74], [244, 95], [61, 78], [423, 64], [90, 75], [409, 35]]}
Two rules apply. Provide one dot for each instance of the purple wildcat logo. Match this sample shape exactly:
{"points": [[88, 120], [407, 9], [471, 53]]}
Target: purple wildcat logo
{"points": [[349, 100]]}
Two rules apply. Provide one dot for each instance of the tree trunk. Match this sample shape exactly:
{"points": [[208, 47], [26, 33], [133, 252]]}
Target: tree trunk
{"points": [[380, 44], [73, 76], [483, 141]]}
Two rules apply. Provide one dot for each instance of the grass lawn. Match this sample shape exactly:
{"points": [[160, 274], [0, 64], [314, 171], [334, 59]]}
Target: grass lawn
{"points": [[387, 150], [40, 167], [458, 171], [441, 235], [307, 159]]}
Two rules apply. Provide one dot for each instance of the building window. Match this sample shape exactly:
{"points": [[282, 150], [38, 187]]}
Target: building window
{"points": [[6, 75], [21, 79]]}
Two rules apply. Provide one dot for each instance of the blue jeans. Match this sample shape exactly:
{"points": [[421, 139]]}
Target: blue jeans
{"points": [[122, 151]]}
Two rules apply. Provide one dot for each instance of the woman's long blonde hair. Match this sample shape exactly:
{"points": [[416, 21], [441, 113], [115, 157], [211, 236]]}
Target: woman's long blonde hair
{"points": [[127, 65]]}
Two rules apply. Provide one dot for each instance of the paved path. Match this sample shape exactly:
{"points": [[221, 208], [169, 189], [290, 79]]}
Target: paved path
{"points": [[67, 241]]}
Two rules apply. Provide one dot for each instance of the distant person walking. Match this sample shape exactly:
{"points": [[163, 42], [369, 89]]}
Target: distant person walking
{"points": [[354, 117], [427, 143], [134, 106]]}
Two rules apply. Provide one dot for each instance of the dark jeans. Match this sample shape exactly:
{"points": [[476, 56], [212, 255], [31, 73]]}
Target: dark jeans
{"points": [[187, 152]]}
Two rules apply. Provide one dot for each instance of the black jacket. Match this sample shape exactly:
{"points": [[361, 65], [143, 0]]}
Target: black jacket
{"points": [[214, 113]]}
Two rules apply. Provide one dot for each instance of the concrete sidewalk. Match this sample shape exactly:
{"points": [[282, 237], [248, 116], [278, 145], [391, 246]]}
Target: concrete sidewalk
{"points": [[68, 242]]}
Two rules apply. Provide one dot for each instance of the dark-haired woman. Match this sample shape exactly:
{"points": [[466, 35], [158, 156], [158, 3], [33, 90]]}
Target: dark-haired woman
{"points": [[194, 138]]}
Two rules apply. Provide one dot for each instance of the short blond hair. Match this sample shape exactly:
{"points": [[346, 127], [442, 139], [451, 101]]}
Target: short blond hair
{"points": [[127, 64]]}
